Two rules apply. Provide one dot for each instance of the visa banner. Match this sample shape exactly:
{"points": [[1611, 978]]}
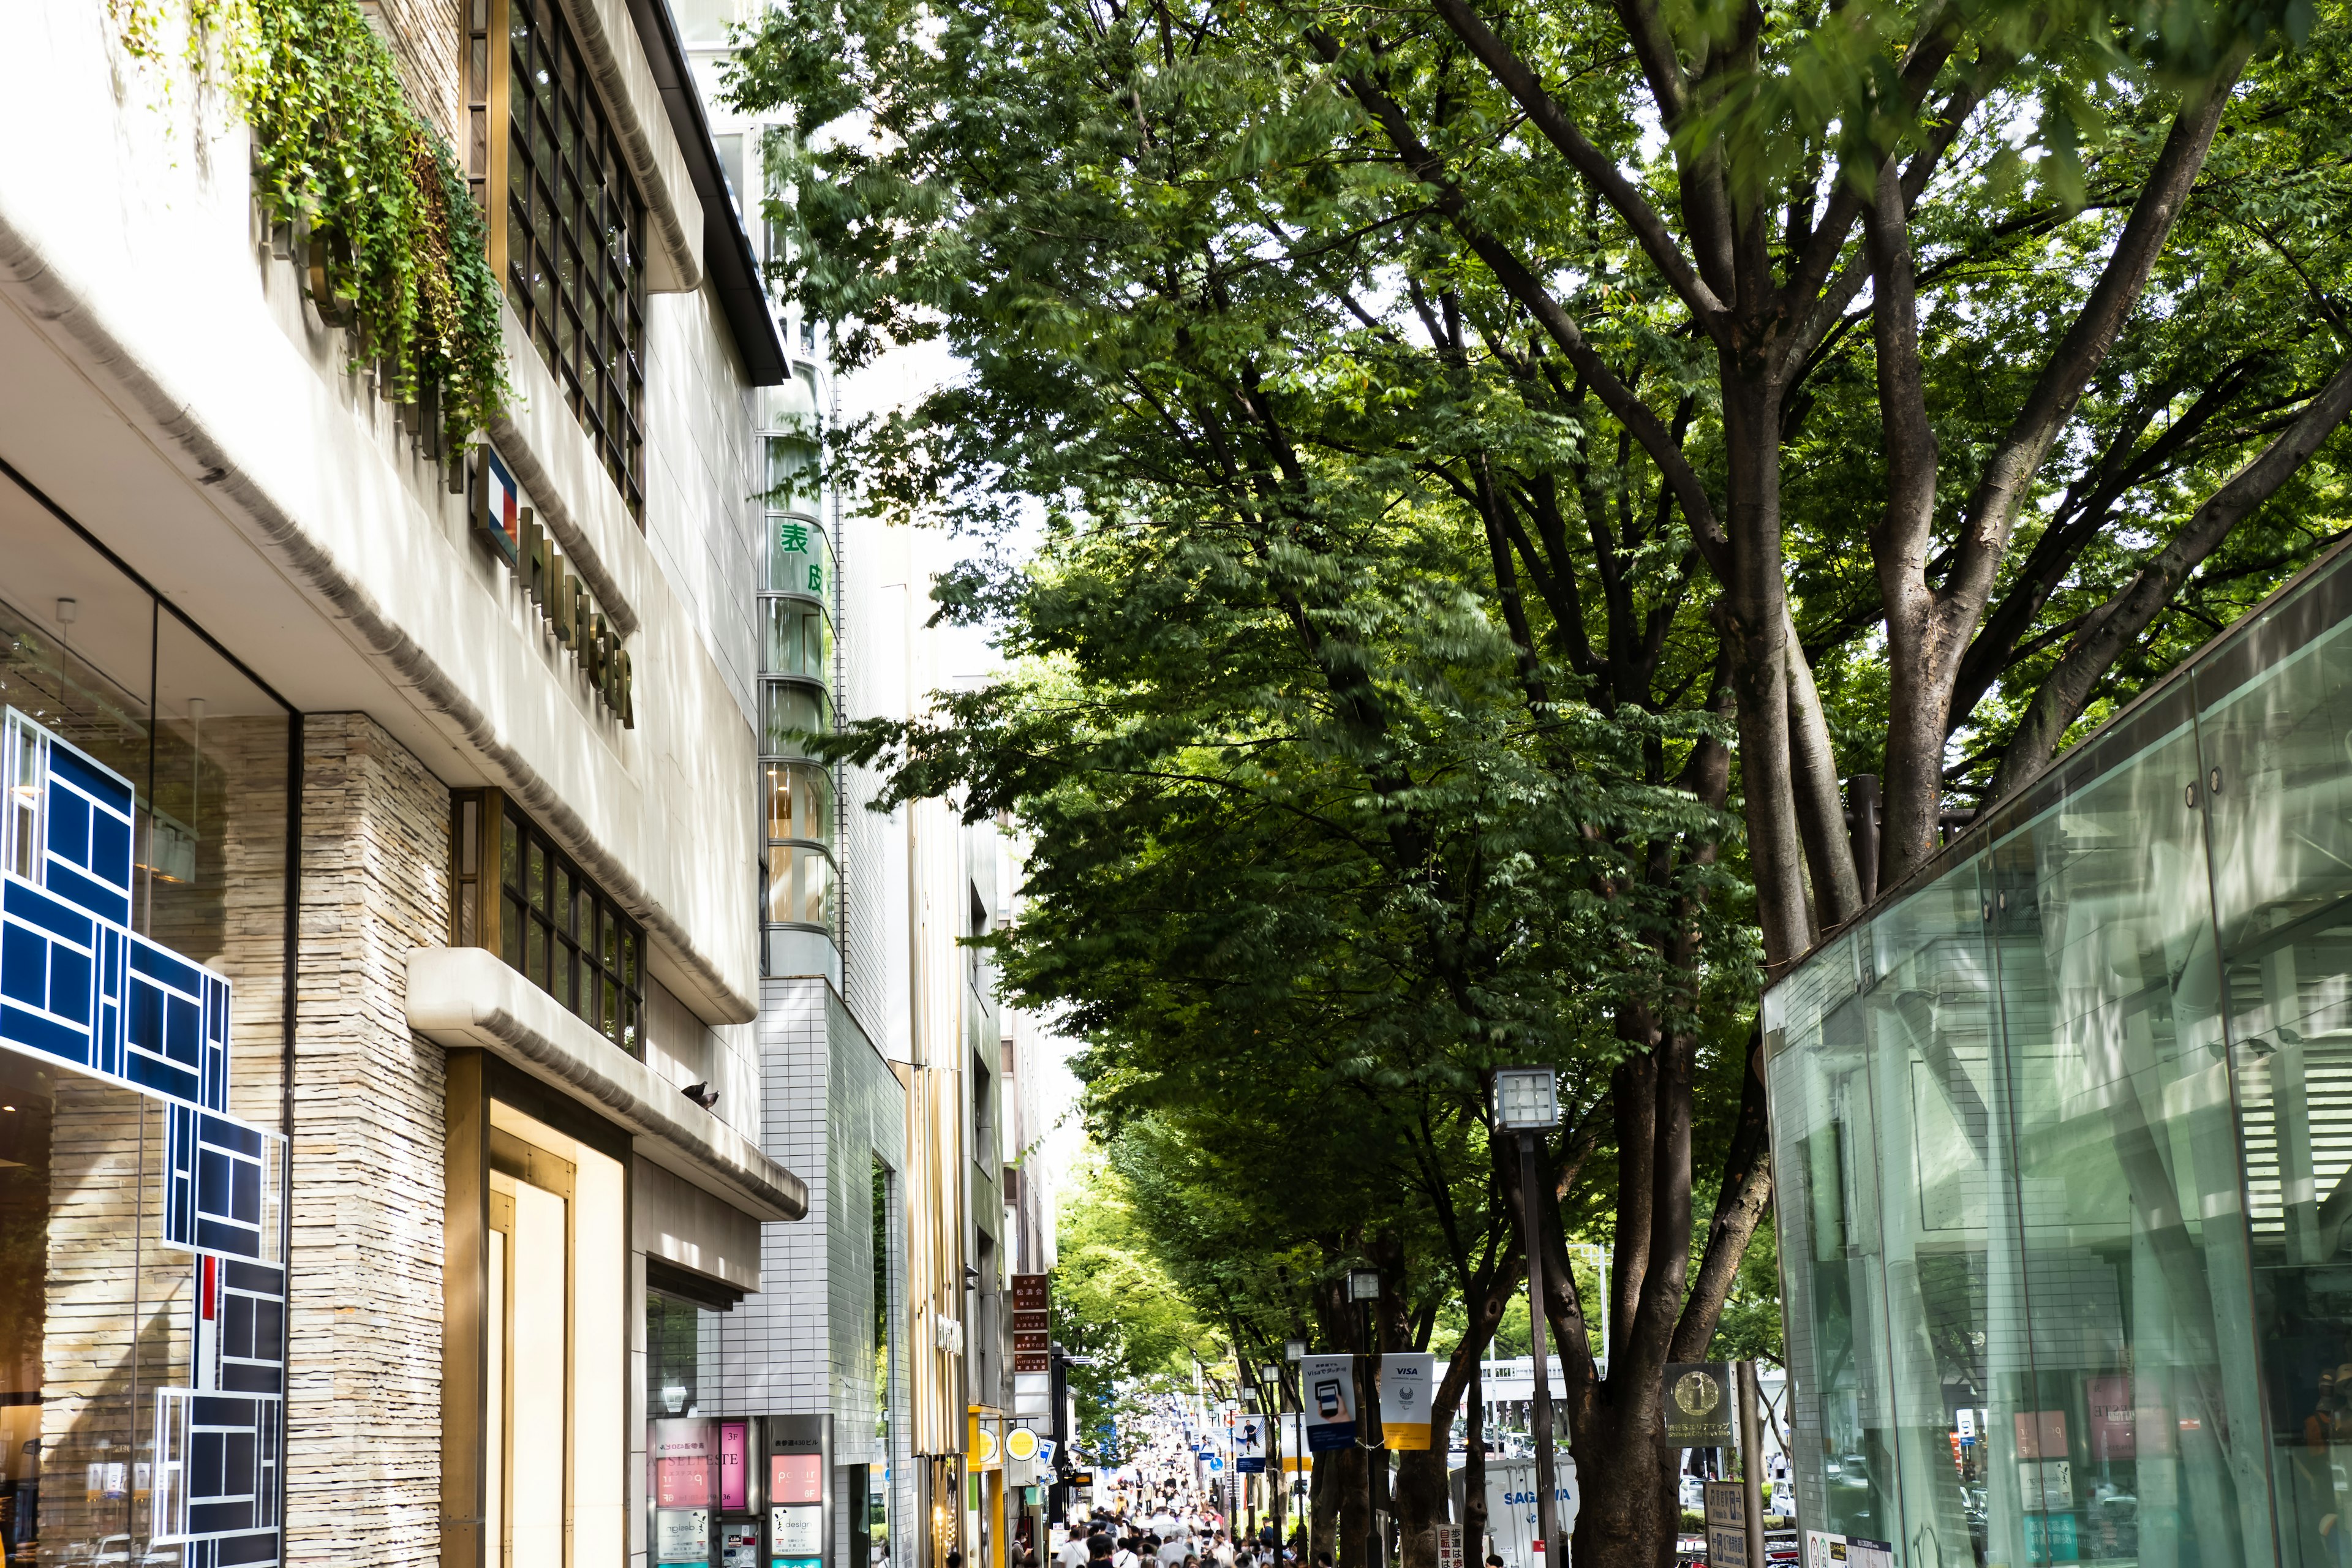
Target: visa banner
{"points": [[1408, 1378]]}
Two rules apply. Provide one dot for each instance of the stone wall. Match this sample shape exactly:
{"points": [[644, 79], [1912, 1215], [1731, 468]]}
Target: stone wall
{"points": [[364, 1418], [428, 39]]}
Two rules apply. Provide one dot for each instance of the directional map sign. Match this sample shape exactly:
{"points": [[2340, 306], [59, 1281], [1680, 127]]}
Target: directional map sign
{"points": [[1698, 1403]]}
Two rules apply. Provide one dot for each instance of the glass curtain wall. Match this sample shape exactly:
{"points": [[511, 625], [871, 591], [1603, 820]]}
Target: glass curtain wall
{"points": [[99, 1313], [796, 611], [2064, 1143]]}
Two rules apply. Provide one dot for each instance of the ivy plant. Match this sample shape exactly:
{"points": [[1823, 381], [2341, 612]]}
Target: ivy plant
{"points": [[399, 249]]}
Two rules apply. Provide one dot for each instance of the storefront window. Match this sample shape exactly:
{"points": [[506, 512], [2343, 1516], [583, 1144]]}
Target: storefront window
{"points": [[145, 791], [700, 1508]]}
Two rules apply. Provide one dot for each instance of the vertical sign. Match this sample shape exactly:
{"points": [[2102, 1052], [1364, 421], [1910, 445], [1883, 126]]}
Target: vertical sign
{"points": [[1328, 1383], [734, 1466], [1726, 1525], [1449, 1546], [1406, 1378], [1032, 1335]]}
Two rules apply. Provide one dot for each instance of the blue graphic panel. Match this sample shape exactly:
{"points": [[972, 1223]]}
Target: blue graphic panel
{"points": [[217, 1173], [79, 987]]}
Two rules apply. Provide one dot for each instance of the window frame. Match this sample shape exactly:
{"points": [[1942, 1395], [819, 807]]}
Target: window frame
{"points": [[605, 966], [590, 331]]}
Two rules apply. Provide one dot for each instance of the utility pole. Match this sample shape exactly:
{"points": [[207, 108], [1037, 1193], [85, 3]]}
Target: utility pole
{"points": [[1751, 1463], [1527, 1101]]}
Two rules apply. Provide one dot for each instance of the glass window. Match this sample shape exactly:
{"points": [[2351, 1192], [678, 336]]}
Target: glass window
{"points": [[799, 639], [800, 886], [794, 715], [800, 558], [553, 924], [2277, 776], [800, 803], [570, 242], [89, 655]]}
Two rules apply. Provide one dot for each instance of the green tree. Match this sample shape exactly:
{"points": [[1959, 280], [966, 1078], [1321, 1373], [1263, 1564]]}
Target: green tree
{"points": [[1432, 407], [1113, 1304]]}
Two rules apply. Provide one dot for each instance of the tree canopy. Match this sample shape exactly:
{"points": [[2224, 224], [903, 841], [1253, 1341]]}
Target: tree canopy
{"points": [[1502, 468]]}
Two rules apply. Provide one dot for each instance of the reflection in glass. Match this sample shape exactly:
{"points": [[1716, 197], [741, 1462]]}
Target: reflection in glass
{"points": [[800, 886], [793, 716]]}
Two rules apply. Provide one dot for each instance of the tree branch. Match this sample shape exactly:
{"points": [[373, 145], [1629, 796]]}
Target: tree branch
{"points": [[2118, 624]]}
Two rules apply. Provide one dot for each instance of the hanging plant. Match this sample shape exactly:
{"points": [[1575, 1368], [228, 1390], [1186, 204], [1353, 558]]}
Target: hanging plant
{"points": [[397, 250]]}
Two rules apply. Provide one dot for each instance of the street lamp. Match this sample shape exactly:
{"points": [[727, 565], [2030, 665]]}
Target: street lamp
{"points": [[1527, 1101], [1364, 1290]]}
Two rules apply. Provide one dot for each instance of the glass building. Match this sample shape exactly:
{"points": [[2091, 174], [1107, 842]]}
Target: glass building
{"points": [[2064, 1134]]}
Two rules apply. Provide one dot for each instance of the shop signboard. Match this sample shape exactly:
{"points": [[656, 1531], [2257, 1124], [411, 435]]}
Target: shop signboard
{"points": [[734, 1466], [1827, 1549], [1698, 1403], [682, 1535], [684, 1455], [1329, 1384], [1406, 1379], [800, 1450], [796, 1531]]}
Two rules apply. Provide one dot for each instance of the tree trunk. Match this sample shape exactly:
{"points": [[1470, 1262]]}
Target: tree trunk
{"points": [[1323, 1501], [1348, 1477], [1473, 1467], [1756, 623], [1420, 1507]]}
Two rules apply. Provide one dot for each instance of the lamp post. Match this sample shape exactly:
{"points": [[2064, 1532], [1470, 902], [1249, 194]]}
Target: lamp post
{"points": [[1269, 1399], [1293, 1351], [1364, 1290], [1527, 1101]]}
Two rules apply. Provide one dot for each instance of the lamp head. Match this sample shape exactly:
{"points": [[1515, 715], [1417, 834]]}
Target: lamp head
{"points": [[1526, 1098]]}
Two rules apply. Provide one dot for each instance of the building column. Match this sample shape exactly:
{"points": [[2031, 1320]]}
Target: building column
{"points": [[363, 1412]]}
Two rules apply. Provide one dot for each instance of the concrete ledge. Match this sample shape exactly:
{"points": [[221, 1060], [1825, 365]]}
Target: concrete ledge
{"points": [[466, 996]]}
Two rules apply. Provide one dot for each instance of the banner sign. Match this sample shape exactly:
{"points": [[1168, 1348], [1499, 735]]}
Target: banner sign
{"points": [[1294, 1461], [1407, 1380], [1249, 1446], [1328, 1383], [1698, 1403]]}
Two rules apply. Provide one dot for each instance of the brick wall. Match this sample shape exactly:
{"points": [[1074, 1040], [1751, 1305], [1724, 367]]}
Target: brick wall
{"points": [[364, 1409], [428, 39]]}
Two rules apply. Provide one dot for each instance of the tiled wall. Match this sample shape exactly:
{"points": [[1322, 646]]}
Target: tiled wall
{"points": [[804, 1344]]}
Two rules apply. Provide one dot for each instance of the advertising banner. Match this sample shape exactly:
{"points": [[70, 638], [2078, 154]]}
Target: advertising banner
{"points": [[1407, 1380], [1328, 1383], [1249, 1446], [1294, 1461]]}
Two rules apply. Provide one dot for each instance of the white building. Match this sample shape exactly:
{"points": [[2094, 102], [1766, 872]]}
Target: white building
{"points": [[350, 1234]]}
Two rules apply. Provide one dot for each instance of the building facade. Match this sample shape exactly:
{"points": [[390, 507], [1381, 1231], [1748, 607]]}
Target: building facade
{"points": [[380, 968], [2061, 1134]]}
